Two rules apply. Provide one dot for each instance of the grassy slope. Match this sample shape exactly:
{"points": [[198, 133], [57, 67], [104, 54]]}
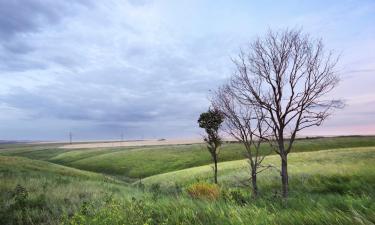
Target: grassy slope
{"points": [[303, 167], [327, 187], [142, 162], [23, 165], [330, 187], [53, 190]]}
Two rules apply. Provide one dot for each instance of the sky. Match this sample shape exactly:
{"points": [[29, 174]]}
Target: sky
{"points": [[145, 68]]}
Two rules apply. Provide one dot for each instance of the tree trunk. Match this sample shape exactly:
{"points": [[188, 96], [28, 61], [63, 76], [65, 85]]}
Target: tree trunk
{"points": [[215, 169], [284, 175], [254, 183]]}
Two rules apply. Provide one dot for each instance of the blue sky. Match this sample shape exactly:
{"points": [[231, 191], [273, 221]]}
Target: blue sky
{"points": [[144, 68]]}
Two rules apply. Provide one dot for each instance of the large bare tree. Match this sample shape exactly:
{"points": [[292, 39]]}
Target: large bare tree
{"points": [[247, 125], [287, 74]]}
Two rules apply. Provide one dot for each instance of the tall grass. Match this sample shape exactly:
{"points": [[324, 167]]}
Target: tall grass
{"points": [[327, 209], [49, 191]]}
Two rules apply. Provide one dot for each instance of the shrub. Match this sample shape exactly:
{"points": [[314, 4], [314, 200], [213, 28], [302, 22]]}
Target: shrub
{"points": [[134, 212], [174, 191], [236, 196], [155, 191], [155, 187], [20, 195], [140, 185], [177, 188], [204, 191]]}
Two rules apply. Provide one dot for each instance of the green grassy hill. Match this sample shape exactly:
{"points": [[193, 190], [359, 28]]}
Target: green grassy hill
{"points": [[353, 166], [331, 186], [140, 162], [27, 167], [37, 192]]}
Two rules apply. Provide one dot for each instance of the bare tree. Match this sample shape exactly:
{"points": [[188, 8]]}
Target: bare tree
{"points": [[247, 125], [211, 122], [287, 74]]}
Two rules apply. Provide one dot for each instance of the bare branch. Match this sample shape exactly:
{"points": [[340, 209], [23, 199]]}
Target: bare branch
{"points": [[284, 75]]}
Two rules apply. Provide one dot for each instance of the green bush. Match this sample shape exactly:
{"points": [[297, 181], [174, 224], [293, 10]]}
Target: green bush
{"points": [[20, 195], [234, 195], [18, 207], [238, 196], [155, 191]]}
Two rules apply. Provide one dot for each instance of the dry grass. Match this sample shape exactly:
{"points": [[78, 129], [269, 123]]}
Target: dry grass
{"points": [[204, 191]]}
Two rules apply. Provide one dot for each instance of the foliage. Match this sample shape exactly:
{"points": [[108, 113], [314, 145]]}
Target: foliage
{"points": [[112, 212], [155, 190], [235, 195], [211, 122], [20, 195]]}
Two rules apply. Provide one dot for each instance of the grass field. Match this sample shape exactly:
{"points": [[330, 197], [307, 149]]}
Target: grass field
{"points": [[51, 190], [140, 162], [43, 184], [306, 167]]}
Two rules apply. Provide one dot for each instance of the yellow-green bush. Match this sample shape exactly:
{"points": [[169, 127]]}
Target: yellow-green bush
{"points": [[204, 191]]}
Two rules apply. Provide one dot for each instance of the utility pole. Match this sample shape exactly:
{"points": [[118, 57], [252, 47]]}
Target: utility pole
{"points": [[122, 136], [70, 137]]}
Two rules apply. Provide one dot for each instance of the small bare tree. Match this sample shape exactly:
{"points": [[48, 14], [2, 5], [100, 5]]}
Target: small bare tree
{"points": [[247, 125], [211, 122], [287, 74]]}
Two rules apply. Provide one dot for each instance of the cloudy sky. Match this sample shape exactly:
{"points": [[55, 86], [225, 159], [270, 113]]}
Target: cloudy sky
{"points": [[145, 67]]}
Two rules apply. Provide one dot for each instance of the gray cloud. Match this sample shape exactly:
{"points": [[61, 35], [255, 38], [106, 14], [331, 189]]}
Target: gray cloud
{"points": [[19, 16], [100, 69], [19, 20]]}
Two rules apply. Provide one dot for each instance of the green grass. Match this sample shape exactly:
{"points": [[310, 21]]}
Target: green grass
{"points": [[335, 186], [338, 188], [40, 152], [350, 165], [53, 190], [300, 210], [327, 187], [140, 162]]}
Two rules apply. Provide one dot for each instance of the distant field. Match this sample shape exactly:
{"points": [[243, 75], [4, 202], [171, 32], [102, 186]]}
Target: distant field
{"points": [[139, 162], [132, 143]]}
